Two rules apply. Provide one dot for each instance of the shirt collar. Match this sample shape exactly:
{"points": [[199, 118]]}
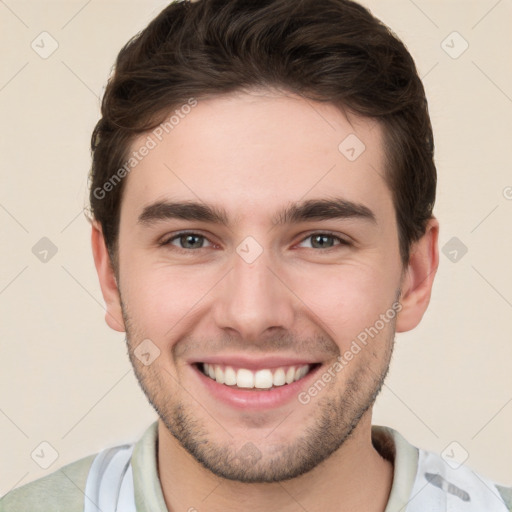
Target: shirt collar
{"points": [[390, 444]]}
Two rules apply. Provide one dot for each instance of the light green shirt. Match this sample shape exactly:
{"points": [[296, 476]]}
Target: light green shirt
{"points": [[63, 490]]}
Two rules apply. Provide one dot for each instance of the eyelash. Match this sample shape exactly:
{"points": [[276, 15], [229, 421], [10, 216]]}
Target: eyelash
{"points": [[167, 242]]}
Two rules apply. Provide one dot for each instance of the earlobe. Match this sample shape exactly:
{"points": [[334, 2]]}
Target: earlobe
{"points": [[106, 276], [419, 278]]}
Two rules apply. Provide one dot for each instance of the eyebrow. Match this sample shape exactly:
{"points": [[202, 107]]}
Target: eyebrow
{"points": [[309, 210]]}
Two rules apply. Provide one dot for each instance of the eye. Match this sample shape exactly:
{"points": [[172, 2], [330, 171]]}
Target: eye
{"points": [[189, 240], [323, 240], [186, 240]]}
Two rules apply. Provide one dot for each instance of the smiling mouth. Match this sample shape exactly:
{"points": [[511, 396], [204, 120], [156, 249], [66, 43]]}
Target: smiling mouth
{"points": [[263, 379]]}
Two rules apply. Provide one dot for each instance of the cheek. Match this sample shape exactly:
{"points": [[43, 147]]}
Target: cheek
{"points": [[165, 301], [162, 298], [345, 299]]}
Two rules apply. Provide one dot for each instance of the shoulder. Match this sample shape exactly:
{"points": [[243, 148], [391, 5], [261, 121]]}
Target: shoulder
{"points": [[60, 491], [460, 483], [506, 494], [434, 477]]}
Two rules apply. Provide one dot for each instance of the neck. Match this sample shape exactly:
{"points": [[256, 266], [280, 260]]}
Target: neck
{"points": [[340, 483]]}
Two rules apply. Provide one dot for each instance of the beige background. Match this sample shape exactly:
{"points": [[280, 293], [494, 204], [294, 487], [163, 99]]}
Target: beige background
{"points": [[66, 377]]}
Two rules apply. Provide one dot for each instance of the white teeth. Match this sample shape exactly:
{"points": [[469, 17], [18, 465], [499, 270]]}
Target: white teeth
{"points": [[279, 378], [244, 378], [230, 376], [301, 372], [290, 375], [261, 379], [219, 375]]}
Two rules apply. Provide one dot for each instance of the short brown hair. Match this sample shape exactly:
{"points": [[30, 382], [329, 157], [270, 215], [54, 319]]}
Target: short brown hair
{"points": [[330, 50]]}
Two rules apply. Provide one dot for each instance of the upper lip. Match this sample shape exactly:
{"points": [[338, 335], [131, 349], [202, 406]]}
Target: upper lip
{"points": [[254, 363]]}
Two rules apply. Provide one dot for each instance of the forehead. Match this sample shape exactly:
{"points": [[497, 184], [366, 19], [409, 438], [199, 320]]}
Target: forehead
{"points": [[250, 153]]}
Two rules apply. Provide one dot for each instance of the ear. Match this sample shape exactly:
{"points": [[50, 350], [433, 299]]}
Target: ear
{"points": [[106, 275], [418, 278]]}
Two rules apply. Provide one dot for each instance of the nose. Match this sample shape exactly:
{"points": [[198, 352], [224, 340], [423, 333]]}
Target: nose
{"points": [[254, 298]]}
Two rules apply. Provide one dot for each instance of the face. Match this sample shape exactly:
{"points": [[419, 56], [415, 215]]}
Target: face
{"points": [[247, 321]]}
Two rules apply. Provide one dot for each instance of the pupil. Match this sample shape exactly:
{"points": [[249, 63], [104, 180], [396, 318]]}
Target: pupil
{"points": [[321, 237], [191, 237]]}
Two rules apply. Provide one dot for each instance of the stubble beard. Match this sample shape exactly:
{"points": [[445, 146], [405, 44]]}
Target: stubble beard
{"points": [[336, 419]]}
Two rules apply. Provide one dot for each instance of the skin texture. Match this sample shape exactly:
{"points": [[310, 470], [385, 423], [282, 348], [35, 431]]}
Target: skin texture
{"points": [[253, 153]]}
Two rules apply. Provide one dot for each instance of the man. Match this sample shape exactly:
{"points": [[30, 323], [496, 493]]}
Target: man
{"points": [[289, 144]]}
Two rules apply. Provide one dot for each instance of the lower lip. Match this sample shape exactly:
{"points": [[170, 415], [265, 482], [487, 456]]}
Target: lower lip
{"points": [[253, 398]]}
